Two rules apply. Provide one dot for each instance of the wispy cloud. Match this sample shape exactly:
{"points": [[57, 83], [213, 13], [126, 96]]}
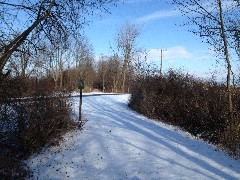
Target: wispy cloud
{"points": [[135, 1], [158, 15]]}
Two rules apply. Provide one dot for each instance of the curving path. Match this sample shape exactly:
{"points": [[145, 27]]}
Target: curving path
{"points": [[118, 143]]}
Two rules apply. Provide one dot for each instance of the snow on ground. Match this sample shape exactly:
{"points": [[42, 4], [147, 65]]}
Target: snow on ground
{"points": [[118, 143], [74, 93]]}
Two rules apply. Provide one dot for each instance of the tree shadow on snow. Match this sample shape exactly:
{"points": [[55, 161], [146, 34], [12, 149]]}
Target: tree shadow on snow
{"points": [[122, 117]]}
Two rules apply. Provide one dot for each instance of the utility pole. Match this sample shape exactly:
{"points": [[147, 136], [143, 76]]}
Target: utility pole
{"points": [[161, 63], [80, 106]]}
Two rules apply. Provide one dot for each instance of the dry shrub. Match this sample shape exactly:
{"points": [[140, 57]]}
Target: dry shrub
{"points": [[29, 120], [49, 118], [12, 168], [194, 105]]}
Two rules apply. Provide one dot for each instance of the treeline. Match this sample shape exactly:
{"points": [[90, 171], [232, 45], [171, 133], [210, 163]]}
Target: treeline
{"points": [[105, 74], [197, 106], [64, 64]]}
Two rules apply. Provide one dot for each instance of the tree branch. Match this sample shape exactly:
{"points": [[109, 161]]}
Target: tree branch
{"points": [[13, 45], [16, 5]]}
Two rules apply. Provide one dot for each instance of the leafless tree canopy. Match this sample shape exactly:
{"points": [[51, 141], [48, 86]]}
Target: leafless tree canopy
{"points": [[206, 18], [217, 21], [127, 45], [45, 17]]}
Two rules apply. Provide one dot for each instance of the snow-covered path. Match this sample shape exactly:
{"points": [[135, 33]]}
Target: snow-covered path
{"points": [[118, 143]]}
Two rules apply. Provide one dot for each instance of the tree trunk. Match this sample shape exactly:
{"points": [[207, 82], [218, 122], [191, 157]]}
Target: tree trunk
{"points": [[124, 79], [115, 85], [224, 38], [124, 71], [103, 82]]}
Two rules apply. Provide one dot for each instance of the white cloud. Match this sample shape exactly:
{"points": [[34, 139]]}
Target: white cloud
{"points": [[198, 62], [176, 52], [158, 15]]}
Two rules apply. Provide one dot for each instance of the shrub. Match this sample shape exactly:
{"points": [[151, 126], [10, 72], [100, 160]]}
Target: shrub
{"points": [[194, 105], [29, 120]]}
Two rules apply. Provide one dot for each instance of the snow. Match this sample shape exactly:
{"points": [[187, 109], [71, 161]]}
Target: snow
{"points": [[118, 143], [74, 93]]}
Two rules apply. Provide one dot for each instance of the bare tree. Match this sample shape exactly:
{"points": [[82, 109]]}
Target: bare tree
{"points": [[83, 50], [126, 43], [84, 59], [41, 17], [89, 73], [113, 72], [56, 66], [25, 61], [213, 20], [108, 73], [102, 67]]}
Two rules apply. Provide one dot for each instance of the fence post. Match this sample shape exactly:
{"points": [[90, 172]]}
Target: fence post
{"points": [[80, 106], [81, 87]]}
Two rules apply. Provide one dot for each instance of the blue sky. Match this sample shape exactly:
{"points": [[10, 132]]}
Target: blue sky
{"points": [[160, 29]]}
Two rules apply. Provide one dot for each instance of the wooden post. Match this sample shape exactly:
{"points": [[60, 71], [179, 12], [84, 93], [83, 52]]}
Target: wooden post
{"points": [[80, 87], [80, 106]]}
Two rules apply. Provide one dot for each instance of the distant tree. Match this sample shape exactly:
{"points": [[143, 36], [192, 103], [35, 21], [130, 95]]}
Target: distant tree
{"points": [[141, 67], [114, 72], [214, 20], [102, 70], [41, 18], [84, 58], [82, 50], [89, 73], [56, 66], [108, 73], [127, 45]]}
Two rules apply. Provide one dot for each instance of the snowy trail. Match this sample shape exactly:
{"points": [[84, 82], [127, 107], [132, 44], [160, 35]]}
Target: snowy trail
{"points": [[118, 143]]}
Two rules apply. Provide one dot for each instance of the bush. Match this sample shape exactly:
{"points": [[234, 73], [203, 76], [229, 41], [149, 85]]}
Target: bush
{"points": [[29, 120], [194, 105]]}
